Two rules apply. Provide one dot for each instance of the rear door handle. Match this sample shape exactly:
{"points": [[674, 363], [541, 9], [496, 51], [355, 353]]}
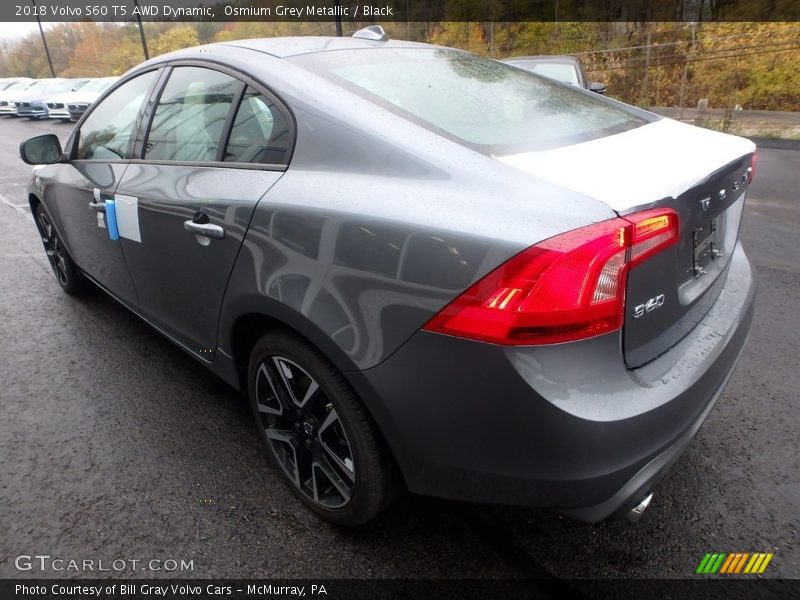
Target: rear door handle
{"points": [[208, 230]]}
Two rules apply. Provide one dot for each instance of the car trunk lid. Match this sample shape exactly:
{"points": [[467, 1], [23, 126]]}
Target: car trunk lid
{"points": [[700, 174]]}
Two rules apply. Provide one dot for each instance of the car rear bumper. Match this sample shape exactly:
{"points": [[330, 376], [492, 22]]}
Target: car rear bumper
{"points": [[566, 426]]}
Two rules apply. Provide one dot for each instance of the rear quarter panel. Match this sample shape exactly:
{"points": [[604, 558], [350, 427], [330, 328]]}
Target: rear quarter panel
{"points": [[378, 224]]}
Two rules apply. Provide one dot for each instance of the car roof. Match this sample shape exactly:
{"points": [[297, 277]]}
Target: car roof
{"points": [[283, 47]]}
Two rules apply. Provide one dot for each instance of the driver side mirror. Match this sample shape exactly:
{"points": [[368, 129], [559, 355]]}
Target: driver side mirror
{"points": [[41, 150], [598, 87]]}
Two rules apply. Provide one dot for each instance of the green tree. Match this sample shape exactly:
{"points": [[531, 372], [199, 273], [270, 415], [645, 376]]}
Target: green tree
{"points": [[183, 36]]}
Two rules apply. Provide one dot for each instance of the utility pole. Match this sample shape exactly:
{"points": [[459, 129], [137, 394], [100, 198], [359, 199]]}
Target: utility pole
{"points": [[646, 83], [44, 41], [338, 18], [141, 30], [690, 55], [555, 21]]}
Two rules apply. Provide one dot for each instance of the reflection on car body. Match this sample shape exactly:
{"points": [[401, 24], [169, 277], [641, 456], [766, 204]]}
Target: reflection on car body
{"points": [[372, 238]]}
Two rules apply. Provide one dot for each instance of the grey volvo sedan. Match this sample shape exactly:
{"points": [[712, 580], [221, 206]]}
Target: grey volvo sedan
{"points": [[429, 271]]}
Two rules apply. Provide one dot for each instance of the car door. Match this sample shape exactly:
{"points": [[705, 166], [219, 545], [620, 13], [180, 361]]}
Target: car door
{"points": [[213, 148], [100, 152]]}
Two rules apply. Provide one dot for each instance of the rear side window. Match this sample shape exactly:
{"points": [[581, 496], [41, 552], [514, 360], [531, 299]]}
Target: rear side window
{"points": [[107, 133], [260, 133], [190, 117], [484, 104]]}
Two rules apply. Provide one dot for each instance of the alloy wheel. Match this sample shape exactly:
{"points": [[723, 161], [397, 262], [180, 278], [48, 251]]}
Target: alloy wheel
{"points": [[54, 249], [304, 431]]}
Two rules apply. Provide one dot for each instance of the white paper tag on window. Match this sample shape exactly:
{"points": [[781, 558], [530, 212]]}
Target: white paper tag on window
{"points": [[101, 221]]}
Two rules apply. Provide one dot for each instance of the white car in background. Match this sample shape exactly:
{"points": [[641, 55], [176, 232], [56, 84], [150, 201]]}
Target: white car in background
{"points": [[16, 89], [69, 106], [7, 82]]}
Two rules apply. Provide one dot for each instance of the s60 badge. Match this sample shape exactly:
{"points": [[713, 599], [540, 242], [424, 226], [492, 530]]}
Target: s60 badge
{"points": [[649, 306]]}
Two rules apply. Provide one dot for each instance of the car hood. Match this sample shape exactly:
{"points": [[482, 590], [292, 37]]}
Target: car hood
{"points": [[78, 97], [37, 97], [64, 97], [14, 96], [659, 160]]}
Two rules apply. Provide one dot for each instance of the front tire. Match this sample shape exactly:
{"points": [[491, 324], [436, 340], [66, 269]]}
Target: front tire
{"points": [[317, 431], [64, 269]]}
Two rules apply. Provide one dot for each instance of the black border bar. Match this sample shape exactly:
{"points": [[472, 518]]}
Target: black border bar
{"points": [[365, 11], [699, 588]]}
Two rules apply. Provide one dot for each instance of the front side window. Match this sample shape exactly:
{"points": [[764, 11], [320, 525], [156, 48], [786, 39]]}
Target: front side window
{"points": [[189, 121], [107, 133], [260, 133]]}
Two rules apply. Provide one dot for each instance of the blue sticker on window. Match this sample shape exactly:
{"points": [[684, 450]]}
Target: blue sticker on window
{"points": [[111, 219]]}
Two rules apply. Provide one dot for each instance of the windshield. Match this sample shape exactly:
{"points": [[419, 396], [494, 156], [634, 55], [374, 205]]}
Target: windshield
{"points": [[17, 85], [558, 71], [66, 85], [38, 84], [98, 85], [490, 106]]}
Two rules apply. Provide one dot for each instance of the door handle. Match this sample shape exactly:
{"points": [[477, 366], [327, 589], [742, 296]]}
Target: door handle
{"points": [[208, 230], [98, 206]]}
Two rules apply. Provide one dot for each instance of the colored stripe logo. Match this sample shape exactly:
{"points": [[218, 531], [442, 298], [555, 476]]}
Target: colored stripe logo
{"points": [[749, 563]]}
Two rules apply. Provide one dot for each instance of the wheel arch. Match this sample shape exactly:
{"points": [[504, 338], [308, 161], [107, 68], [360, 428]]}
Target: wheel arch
{"points": [[244, 330], [242, 324], [34, 201]]}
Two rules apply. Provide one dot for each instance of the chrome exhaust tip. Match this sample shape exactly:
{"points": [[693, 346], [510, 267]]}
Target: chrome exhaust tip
{"points": [[635, 514]]}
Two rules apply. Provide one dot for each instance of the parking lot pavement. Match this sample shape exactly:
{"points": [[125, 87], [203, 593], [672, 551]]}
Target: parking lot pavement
{"points": [[115, 444]]}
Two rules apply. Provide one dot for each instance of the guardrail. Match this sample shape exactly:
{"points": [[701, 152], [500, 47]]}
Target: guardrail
{"points": [[749, 123]]}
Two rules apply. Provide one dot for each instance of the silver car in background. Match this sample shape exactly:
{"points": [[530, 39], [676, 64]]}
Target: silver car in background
{"points": [[69, 106], [566, 68], [428, 270], [13, 91], [7, 82], [33, 104]]}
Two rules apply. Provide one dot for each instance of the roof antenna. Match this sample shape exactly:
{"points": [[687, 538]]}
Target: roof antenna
{"points": [[375, 33]]}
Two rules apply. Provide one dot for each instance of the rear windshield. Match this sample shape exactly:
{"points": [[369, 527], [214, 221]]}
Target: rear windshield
{"points": [[490, 106]]}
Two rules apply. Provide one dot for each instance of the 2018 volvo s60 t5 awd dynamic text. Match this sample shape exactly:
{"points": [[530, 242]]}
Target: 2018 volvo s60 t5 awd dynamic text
{"points": [[429, 270]]}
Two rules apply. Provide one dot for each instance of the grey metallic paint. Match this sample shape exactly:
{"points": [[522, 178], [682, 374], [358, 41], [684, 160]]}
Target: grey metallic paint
{"points": [[368, 233], [181, 278], [563, 426]]}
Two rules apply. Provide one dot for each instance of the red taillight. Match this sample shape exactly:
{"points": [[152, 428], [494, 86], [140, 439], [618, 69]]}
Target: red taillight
{"points": [[653, 230], [751, 172], [569, 287]]}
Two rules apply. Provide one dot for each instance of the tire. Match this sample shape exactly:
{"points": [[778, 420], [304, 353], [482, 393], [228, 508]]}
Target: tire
{"points": [[64, 269], [321, 438]]}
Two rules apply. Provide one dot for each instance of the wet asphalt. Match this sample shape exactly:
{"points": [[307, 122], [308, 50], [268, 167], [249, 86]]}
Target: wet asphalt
{"points": [[115, 444]]}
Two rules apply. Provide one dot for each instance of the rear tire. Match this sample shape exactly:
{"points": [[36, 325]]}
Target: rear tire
{"points": [[64, 269], [317, 431]]}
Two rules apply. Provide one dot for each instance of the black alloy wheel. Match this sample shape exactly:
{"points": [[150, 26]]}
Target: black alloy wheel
{"points": [[318, 432], [64, 269]]}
